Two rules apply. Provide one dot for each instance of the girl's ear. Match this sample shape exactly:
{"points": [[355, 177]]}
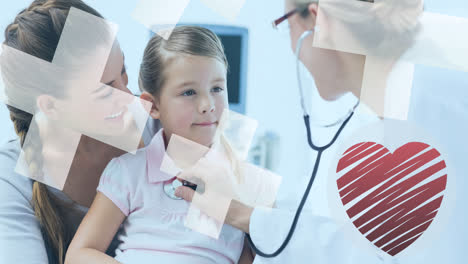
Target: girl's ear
{"points": [[154, 111], [48, 105]]}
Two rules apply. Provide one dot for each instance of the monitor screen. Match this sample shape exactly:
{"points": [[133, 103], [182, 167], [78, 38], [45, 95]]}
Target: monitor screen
{"points": [[233, 50]]}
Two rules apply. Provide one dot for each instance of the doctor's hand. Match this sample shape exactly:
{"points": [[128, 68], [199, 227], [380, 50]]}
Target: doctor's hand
{"points": [[238, 214], [216, 177]]}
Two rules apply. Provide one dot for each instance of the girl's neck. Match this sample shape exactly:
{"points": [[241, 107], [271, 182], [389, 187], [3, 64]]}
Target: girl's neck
{"points": [[166, 140]]}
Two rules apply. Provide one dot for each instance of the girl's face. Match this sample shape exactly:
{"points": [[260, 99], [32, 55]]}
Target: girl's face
{"points": [[193, 98]]}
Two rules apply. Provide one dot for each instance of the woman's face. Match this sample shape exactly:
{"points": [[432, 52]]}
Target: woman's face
{"points": [[98, 107], [332, 70]]}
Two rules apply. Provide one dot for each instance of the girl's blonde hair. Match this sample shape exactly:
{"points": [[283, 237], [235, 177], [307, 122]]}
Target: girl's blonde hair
{"points": [[184, 40], [188, 40], [36, 31]]}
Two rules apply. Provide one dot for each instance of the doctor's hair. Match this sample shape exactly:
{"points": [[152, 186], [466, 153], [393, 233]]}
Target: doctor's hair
{"points": [[36, 31], [184, 40], [398, 21]]}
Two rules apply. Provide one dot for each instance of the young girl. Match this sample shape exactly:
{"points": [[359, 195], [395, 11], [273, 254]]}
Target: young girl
{"points": [[185, 79]]}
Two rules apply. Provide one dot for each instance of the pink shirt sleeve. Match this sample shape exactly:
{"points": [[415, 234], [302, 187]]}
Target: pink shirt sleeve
{"points": [[115, 185]]}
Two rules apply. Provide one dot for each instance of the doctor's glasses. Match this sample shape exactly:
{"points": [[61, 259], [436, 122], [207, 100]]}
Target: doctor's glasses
{"points": [[281, 24]]}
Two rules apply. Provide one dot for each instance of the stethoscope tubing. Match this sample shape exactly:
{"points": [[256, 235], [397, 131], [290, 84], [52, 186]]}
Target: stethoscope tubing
{"points": [[319, 150]]}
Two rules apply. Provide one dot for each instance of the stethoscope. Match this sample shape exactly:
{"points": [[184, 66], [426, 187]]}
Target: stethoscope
{"points": [[344, 120], [170, 187]]}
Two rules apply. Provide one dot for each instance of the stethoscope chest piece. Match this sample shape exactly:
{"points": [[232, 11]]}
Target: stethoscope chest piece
{"points": [[170, 187]]}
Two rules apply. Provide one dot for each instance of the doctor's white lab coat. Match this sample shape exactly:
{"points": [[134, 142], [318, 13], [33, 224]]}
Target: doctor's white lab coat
{"points": [[320, 239]]}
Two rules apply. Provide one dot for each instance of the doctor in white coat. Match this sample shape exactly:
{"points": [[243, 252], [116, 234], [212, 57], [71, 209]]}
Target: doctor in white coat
{"points": [[318, 237]]}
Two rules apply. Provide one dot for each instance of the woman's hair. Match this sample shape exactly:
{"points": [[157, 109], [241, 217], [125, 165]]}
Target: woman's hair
{"points": [[36, 31], [184, 40], [398, 21]]}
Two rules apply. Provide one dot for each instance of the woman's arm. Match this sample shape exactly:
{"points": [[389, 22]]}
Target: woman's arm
{"points": [[95, 233], [20, 233]]}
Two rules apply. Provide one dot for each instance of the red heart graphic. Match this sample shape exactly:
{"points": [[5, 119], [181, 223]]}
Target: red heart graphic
{"points": [[391, 198]]}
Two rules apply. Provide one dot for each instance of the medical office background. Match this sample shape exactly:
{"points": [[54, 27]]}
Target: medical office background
{"points": [[439, 99]]}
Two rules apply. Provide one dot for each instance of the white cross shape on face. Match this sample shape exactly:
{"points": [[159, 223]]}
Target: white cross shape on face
{"points": [[225, 173], [161, 17], [441, 42], [71, 83]]}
